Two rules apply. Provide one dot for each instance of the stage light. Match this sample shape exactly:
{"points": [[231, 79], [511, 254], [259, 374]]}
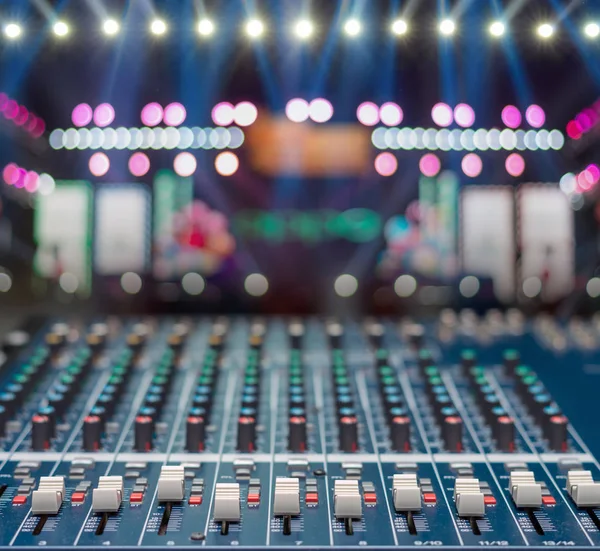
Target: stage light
{"points": [[206, 27], [227, 163], [256, 285], [464, 115], [60, 29], [111, 27], [255, 28], [405, 285], [532, 286], [104, 114], [515, 165], [320, 110], [368, 113], [223, 113], [10, 174], [592, 30], [193, 283], [399, 27], [511, 116], [545, 30], [345, 285], [99, 164], [471, 165], [185, 164], [131, 283], [297, 110], [139, 164], [47, 184], [82, 115], [429, 165], [32, 181], [152, 114], [158, 27], [12, 31], [593, 287], [535, 116], [468, 286], [497, 28], [5, 282], [391, 114], [174, 114], [68, 282], [447, 27], [386, 164], [245, 113], [304, 29], [442, 114], [352, 27]]}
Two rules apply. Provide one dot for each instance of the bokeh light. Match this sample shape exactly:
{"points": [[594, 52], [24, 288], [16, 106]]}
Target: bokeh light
{"points": [[60, 29], [174, 114], [223, 113], [111, 27], [158, 27], [131, 283], [442, 114], [345, 285], [12, 31], [471, 165], [447, 27], [368, 113], [429, 165], [468, 286], [99, 164], [399, 27], [352, 27], [104, 114], [193, 283], [386, 164], [82, 115], [245, 113], [405, 285], [320, 110], [255, 28], [205, 27], [464, 115], [535, 116], [497, 28], [185, 164], [297, 110], [511, 116], [303, 29], [592, 30], [545, 30], [391, 114], [32, 181], [152, 114], [10, 174], [515, 164], [139, 164], [227, 163], [256, 285]]}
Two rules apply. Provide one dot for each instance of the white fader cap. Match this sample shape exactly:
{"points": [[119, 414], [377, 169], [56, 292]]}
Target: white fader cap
{"points": [[108, 496], [48, 498]]}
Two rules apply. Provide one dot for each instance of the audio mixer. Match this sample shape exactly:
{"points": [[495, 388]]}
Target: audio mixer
{"points": [[458, 431]]}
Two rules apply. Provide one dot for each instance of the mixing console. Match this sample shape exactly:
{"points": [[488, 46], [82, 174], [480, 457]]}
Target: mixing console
{"points": [[311, 433]]}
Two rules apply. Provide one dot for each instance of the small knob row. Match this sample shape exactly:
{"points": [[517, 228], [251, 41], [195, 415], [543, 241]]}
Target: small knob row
{"points": [[248, 416], [344, 402], [297, 432]]}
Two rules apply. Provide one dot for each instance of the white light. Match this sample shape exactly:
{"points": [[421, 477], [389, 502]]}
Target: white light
{"points": [[256, 285], [568, 183], [345, 285], [304, 29], [447, 27], [352, 27], [206, 27], [111, 27], [545, 30], [405, 285], [497, 28], [68, 283], [5, 282], [593, 287], [592, 30], [131, 283], [532, 287], [399, 27], [60, 28], [47, 185], [158, 27], [12, 31], [193, 283], [468, 286], [255, 28]]}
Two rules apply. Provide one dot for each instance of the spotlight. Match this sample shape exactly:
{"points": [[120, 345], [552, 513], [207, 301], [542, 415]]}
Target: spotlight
{"points": [[304, 29], [447, 27], [352, 27], [158, 27], [399, 27], [60, 28], [497, 28], [592, 30], [545, 30], [12, 31], [111, 27], [205, 27], [255, 28]]}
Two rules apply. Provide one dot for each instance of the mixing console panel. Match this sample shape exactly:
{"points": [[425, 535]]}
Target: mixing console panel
{"points": [[314, 433]]}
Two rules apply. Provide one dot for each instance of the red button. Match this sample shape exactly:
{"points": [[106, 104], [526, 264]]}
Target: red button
{"points": [[78, 497], [253, 498], [548, 500], [370, 497], [429, 498], [19, 500], [195, 500], [136, 497], [489, 500], [312, 497]]}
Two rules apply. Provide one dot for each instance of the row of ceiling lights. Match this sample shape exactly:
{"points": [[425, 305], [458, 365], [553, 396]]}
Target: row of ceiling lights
{"points": [[303, 28]]}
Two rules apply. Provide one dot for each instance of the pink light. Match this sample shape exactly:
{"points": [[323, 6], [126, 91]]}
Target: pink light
{"points": [[32, 181], [152, 114], [10, 174], [227, 163], [442, 114], [39, 128], [386, 164], [21, 173], [99, 164], [511, 116], [584, 121], [594, 171], [585, 181], [320, 110], [574, 130], [185, 164], [139, 164], [429, 165], [472, 165], [391, 114], [297, 110], [3, 101], [82, 115], [535, 116], [174, 114], [245, 113], [22, 116], [104, 114], [368, 113], [464, 115], [11, 110], [31, 123], [515, 164], [223, 113]]}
